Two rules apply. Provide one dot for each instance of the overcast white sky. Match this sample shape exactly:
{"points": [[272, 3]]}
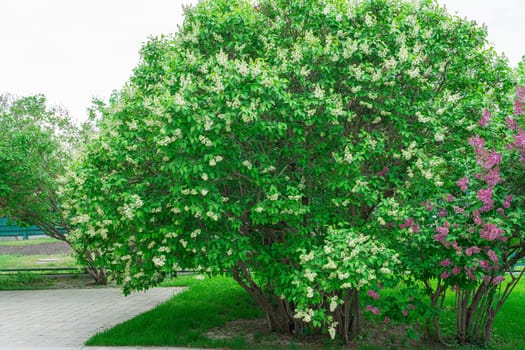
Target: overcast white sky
{"points": [[72, 50]]}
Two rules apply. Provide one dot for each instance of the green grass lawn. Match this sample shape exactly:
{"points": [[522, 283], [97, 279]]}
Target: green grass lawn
{"points": [[24, 281], [34, 279], [20, 261], [183, 320], [16, 261], [509, 325], [28, 241]]}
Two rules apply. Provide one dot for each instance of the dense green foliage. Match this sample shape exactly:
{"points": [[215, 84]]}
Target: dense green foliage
{"points": [[272, 141]]}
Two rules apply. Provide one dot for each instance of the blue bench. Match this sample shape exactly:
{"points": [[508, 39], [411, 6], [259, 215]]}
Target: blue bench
{"points": [[8, 228], [519, 265]]}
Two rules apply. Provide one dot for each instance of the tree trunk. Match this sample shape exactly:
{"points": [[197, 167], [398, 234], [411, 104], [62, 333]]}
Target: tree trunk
{"points": [[476, 310], [348, 316], [279, 313], [58, 230], [98, 274]]}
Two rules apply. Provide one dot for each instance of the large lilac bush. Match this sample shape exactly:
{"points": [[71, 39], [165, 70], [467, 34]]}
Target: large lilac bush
{"points": [[282, 143]]}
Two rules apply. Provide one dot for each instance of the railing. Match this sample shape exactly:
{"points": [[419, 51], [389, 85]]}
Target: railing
{"points": [[44, 271], [9, 228]]}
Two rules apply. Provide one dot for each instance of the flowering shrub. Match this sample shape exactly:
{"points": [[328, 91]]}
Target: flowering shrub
{"points": [[325, 290], [240, 140], [470, 238]]}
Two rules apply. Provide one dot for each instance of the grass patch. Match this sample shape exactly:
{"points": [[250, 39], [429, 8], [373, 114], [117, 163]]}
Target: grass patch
{"points": [[17, 261], [36, 281], [184, 319], [24, 281], [28, 242], [509, 326]]}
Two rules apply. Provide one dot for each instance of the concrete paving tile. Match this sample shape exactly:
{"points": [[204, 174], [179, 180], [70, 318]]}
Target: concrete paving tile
{"points": [[65, 319]]}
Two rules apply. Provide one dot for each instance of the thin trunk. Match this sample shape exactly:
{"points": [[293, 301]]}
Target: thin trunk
{"points": [[346, 320], [355, 325], [98, 274], [278, 317], [473, 307]]}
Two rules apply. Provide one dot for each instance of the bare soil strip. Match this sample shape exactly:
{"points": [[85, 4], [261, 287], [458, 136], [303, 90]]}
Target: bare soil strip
{"points": [[38, 249]]}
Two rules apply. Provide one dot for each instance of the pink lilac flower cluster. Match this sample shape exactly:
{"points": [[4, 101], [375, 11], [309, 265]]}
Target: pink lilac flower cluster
{"points": [[470, 273], [487, 160], [485, 196], [445, 263], [477, 217], [485, 264], [498, 279], [491, 232], [485, 118], [383, 172], [472, 250], [519, 137], [456, 270], [493, 177], [372, 309], [442, 232], [511, 123], [485, 258], [519, 143], [507, 202], [492, 159], [457, 248], [427, 205], [462, 183], [476, 142], [409, 223], [492, 256], [459, 210], [373, 294]]}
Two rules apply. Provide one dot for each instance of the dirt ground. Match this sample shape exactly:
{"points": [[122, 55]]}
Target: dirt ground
{"points": [[38, 249], [375, 336]]}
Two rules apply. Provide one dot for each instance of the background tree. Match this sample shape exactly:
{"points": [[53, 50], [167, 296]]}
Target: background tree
{"points": [[36, 145], [260, 140]]}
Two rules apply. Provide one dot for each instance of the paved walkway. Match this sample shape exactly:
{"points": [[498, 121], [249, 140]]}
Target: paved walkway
{"points": [[66, 318]]}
